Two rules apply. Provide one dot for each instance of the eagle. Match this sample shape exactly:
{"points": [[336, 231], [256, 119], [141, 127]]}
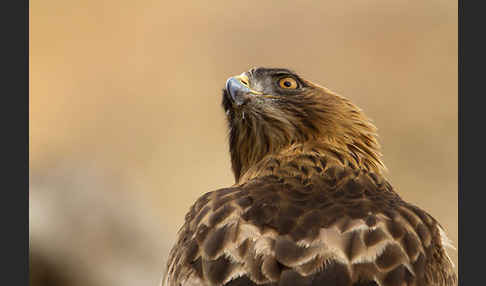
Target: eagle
{"points": [[310, 204]]}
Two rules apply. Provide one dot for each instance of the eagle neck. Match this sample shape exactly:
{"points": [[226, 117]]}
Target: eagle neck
{"points": [[306, 161]]}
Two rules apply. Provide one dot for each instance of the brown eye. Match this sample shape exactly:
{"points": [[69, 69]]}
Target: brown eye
{"points": [[287, 83]]}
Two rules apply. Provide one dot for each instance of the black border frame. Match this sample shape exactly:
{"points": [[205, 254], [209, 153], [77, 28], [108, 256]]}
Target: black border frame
{"points": [[471, 65], [15, 140]]}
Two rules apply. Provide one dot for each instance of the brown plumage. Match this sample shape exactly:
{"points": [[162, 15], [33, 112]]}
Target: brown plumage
{"points": [[310, 205]]}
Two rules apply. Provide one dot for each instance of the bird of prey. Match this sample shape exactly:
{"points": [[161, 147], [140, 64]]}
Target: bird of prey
{"points": [[310, 204]]}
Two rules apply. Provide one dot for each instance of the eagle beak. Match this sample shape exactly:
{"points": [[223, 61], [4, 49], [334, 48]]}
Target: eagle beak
{"points": [[239, 89]]}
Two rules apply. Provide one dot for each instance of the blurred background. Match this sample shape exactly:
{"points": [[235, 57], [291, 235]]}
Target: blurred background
{"points": [[126, 128]]}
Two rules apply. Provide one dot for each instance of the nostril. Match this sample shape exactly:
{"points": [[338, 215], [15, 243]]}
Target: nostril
{"points": [[244, 82]]}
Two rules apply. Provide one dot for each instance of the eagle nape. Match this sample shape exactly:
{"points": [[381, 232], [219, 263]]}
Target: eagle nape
{"points": [[310, 204]]}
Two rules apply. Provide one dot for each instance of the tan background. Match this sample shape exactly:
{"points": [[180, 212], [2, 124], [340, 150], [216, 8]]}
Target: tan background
{"points": [[127, 129]]}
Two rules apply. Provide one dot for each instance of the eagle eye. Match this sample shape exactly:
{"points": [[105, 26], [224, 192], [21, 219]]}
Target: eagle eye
{"points": [[288, 83]]}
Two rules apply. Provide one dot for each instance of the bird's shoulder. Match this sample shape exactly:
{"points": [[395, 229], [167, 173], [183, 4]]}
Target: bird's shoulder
{"points": [[341, 224]]}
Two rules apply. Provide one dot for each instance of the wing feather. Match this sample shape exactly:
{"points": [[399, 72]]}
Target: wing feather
{"points": [[271, 231]]}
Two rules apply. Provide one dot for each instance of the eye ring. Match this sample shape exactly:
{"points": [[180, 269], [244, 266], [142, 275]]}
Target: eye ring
{"points": [[288, 83]]}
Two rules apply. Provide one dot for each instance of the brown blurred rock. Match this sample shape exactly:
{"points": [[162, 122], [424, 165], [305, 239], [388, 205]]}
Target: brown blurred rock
{"points": [[87, 229]]}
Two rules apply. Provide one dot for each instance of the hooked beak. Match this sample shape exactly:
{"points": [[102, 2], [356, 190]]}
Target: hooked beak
{"points": [[239, 89]]}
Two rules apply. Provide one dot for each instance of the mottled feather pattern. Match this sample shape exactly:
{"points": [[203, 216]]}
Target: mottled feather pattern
{"points": [[274, 228]]}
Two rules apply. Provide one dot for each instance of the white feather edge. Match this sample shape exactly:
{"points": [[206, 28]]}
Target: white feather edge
{"points": [[447, 243]]}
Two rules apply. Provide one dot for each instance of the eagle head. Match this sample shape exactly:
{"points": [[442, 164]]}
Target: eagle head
{"points": [[274, 110]]}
